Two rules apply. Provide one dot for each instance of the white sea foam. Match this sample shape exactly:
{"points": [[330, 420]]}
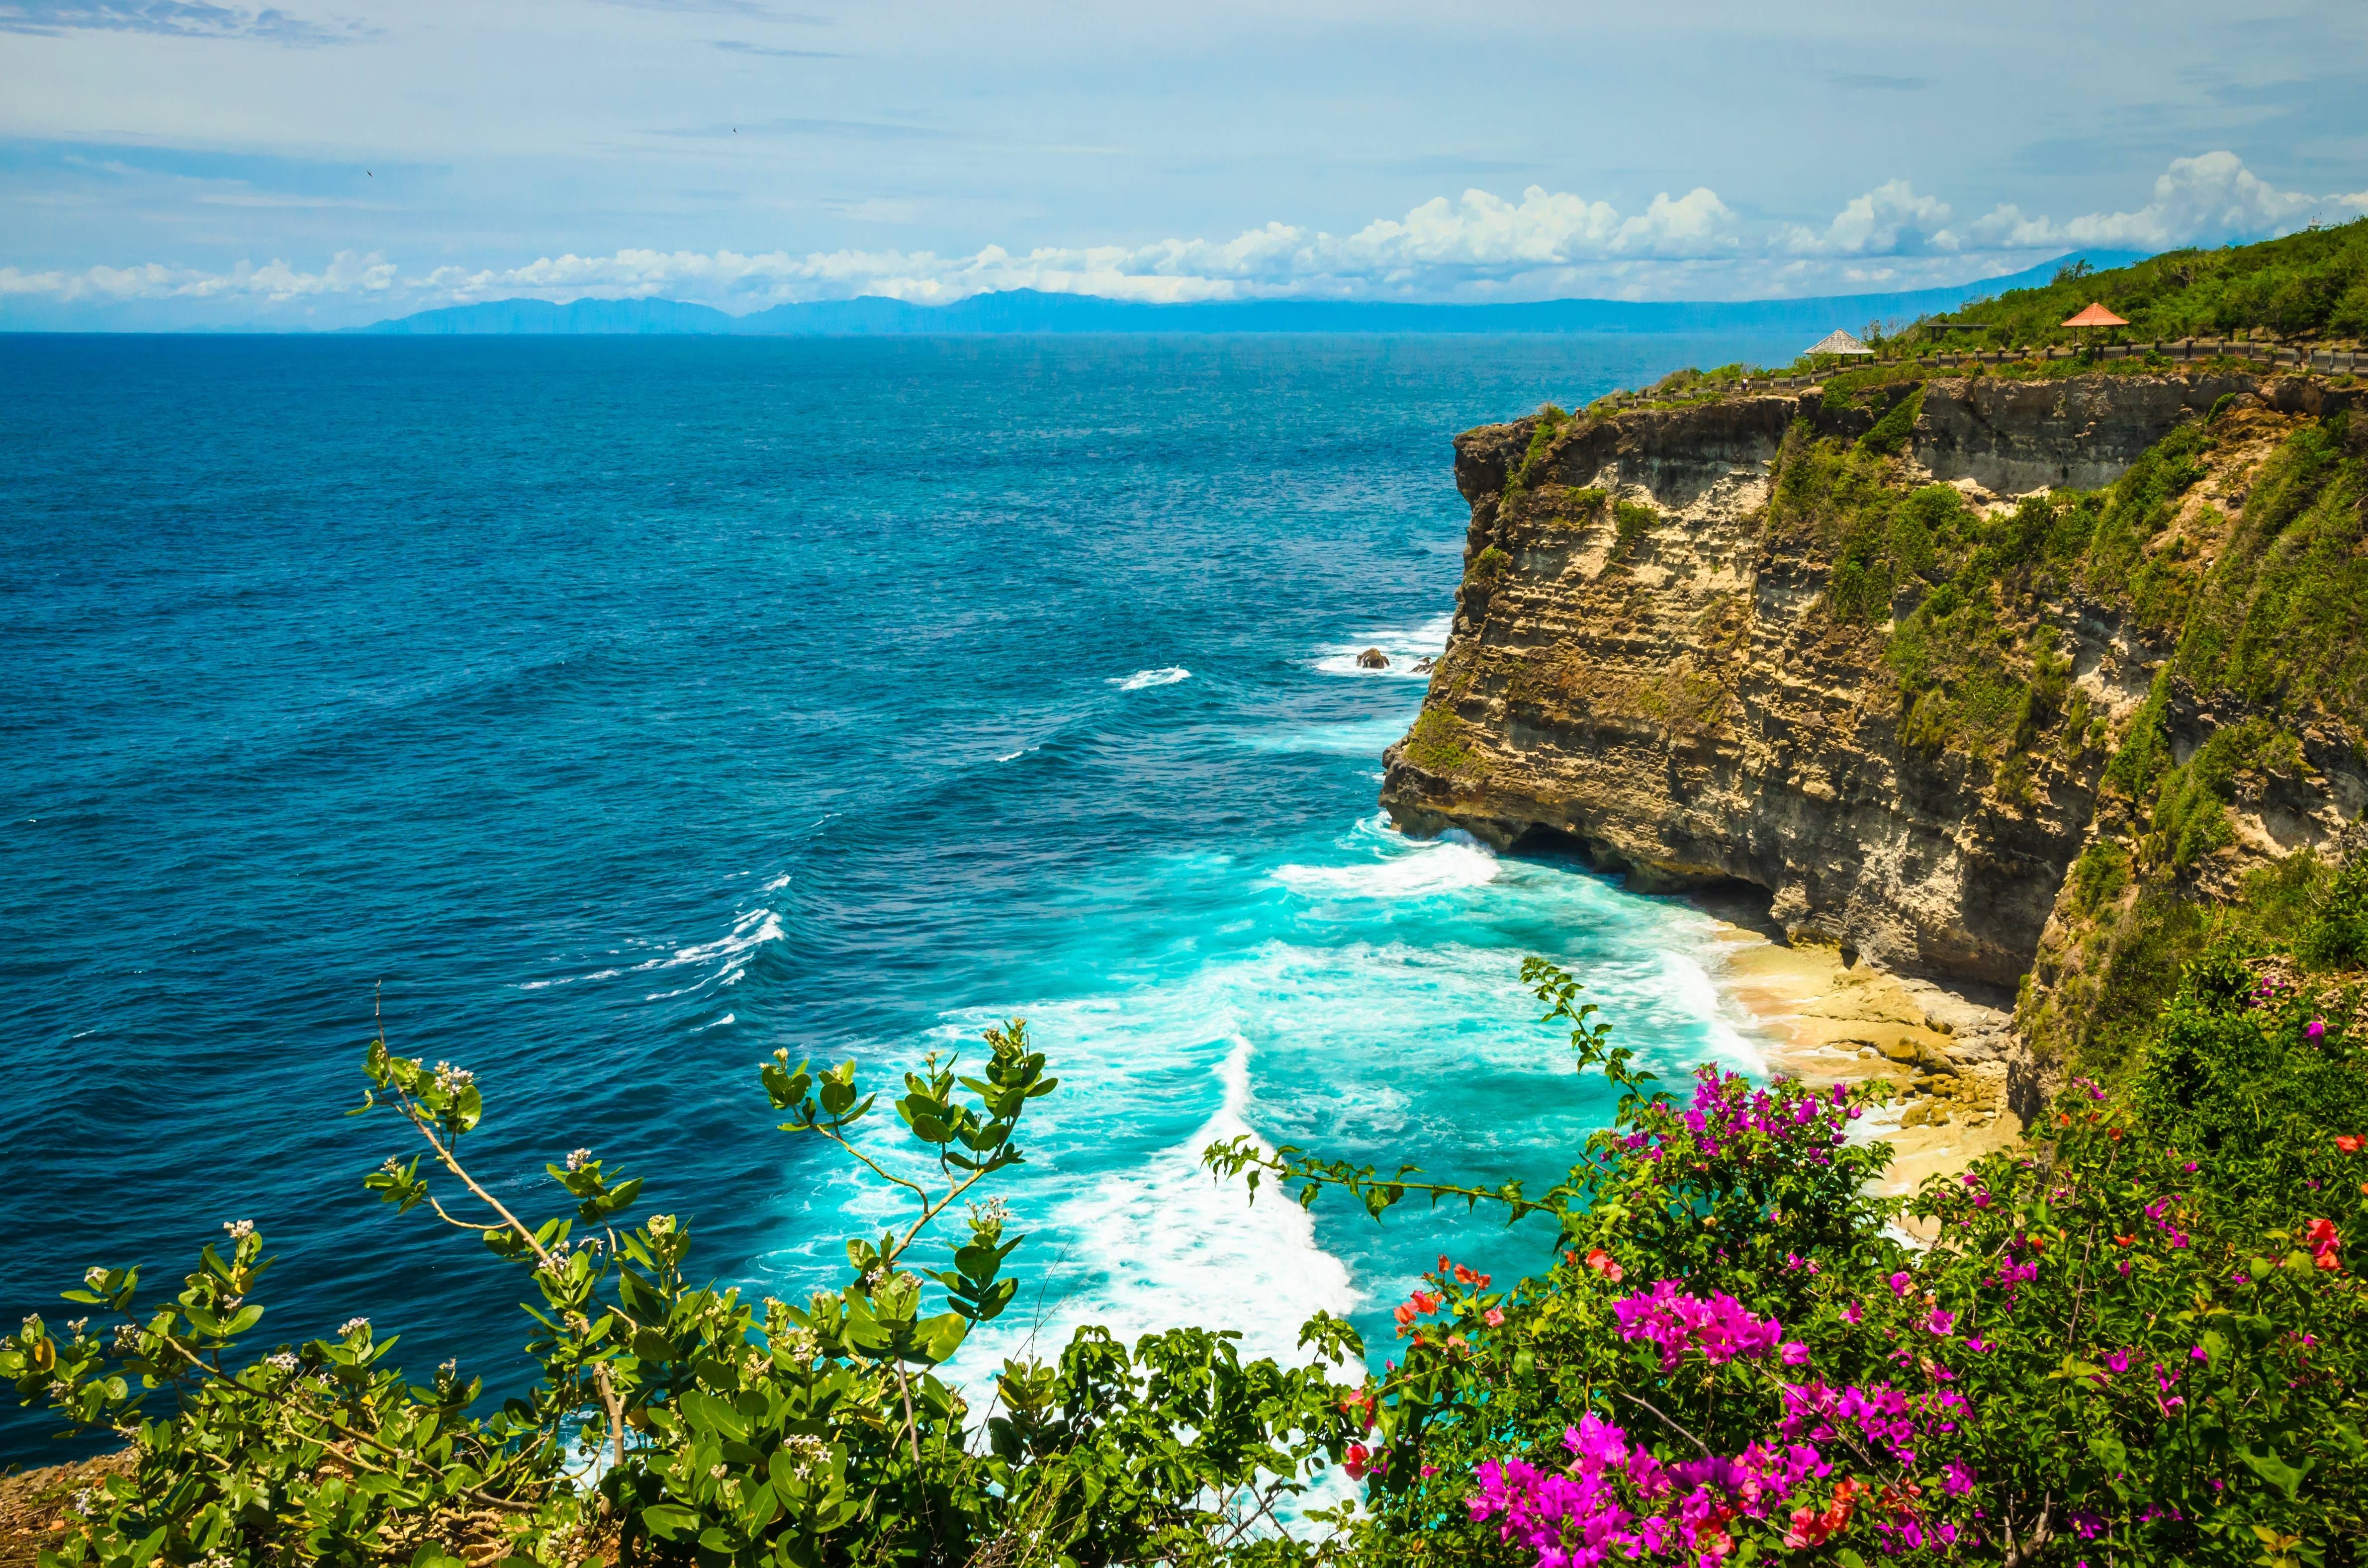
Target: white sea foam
{"points": [[726, 1018], [1406, 645], [568, 980], [1420, 873], [1162, 1244], [1354, 737], [1016, 755], [1392, 866], [1365, 996], [1141, 678], [777, 884]]}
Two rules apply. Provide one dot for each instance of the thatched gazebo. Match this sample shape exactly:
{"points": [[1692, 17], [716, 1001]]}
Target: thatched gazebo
{"points": [[1840, 343]]}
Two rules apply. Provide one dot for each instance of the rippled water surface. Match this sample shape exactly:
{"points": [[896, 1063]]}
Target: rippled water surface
{"points": [[614, 711]]}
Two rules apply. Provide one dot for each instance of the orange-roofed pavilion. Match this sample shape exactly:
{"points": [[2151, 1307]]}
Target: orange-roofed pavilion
{"points": [[2096, 315]]}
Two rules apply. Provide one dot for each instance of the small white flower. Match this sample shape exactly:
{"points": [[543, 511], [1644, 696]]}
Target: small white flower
{"points": [[32, 1321], [231, 1303], [809, 1456], [127, 1339], [78, 1325], [239, 1229], [94, 1276], [579, 1158], [715, 1472], [354, 1325], [282, 1362], [88, 1500], [451, 1368], [391, 1166], [994, 1211]]}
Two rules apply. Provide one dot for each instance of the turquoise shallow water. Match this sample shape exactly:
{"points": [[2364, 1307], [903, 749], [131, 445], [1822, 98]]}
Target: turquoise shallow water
{"points": [[620, 710]]}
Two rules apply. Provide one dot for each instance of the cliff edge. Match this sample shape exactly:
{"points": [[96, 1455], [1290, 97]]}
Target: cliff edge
{"points": [[1882, 651]]}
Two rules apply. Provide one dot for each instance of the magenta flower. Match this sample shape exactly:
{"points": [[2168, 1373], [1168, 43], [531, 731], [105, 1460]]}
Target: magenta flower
{"points": [[1899, 1283], [1956, 1478], [1941, 1323]]}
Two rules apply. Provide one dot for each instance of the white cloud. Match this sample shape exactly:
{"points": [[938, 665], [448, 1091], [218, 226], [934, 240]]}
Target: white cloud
{"points": [[276, 281], [1890, 220], [1478, 246], [2196, 201]]}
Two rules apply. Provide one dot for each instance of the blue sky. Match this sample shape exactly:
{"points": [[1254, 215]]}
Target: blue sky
{"points": [[327, 162]]}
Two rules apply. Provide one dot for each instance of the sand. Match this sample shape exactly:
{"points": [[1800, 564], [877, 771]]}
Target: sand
{"points": [[1824, 1021]]}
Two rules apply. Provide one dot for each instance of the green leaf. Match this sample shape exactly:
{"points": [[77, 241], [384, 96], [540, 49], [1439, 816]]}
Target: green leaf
{"points": [[2266, 1464], [669, 1522], [941, 1336], [714, 1414]]}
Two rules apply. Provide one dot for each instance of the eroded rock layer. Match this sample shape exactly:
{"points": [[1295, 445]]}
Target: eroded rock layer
{"points": [[1648, 662]]}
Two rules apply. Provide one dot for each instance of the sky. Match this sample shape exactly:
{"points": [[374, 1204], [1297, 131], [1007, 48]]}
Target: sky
{"points": [[325, 162]]}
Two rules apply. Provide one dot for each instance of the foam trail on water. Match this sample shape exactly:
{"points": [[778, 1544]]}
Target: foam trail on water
{"points": [[1142, 678]]}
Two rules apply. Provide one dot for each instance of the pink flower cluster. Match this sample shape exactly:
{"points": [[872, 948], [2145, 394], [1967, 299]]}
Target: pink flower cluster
{"points": [[1617, 1503], [1726, 1108], [1722, 1328], [1897, 1421]]}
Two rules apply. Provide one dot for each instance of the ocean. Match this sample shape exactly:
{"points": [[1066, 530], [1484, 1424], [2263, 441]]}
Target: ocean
{"points": [[604, 714]]}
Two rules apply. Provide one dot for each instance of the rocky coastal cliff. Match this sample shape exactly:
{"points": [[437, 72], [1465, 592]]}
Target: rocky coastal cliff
{"points": [[1878, 652]]}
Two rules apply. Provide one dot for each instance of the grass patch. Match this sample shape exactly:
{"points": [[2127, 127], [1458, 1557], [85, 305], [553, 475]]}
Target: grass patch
{"points": [[1438, 743]]}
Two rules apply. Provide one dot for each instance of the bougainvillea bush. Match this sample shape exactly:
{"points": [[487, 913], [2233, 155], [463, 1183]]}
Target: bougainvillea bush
{"points": [[2134, 1338]]}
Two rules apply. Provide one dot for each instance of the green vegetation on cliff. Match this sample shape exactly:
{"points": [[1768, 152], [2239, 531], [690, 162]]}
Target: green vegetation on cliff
{"points": [[2254, 625], [2268, 639], [2314, 283]]}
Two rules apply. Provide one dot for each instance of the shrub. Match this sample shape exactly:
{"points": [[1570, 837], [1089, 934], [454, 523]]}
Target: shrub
{"points": [[1890, 434], [1630, 522], [730, 1431], [2137, 1338]]}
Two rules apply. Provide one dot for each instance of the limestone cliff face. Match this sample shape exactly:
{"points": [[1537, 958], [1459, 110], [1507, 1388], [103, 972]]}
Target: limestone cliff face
{"points": [[1643, 667]]}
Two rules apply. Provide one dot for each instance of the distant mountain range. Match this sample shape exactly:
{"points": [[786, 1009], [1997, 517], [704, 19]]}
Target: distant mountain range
{"points": [[1030, 310]]}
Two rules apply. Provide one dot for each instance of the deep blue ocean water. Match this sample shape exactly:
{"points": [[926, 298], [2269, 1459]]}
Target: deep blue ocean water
{"points": [[613, 711]]}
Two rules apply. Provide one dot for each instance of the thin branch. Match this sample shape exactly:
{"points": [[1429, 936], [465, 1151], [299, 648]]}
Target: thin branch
{"points": [[1672, 1426], [404, 1103]]}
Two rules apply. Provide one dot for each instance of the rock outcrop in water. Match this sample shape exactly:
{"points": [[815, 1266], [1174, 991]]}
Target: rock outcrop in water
{"points": [[1655, 665]]}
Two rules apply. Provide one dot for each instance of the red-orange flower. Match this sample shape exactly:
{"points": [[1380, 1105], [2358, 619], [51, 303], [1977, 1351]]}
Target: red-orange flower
{"points": [[1601, 1261], [2347, 1142]]}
